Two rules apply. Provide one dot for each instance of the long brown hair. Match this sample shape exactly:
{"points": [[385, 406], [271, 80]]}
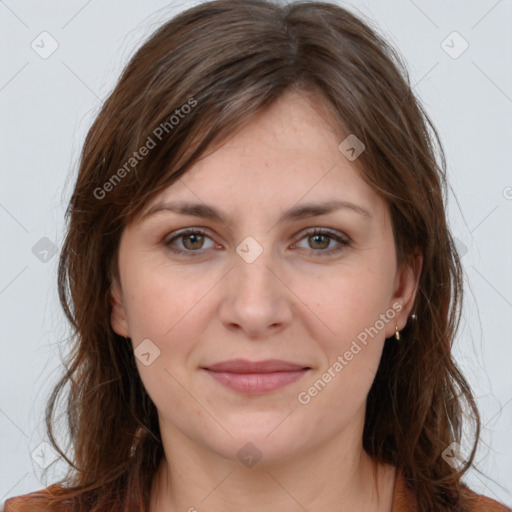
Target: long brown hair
{"points": [[226, 61]]}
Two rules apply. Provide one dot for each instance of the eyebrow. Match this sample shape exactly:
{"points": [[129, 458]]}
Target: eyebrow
{"points": [[295, 213]]}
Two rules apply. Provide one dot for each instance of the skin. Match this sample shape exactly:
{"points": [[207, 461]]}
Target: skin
{"points": [[299, 301]]}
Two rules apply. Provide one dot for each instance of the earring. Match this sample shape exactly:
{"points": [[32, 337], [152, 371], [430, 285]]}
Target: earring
{"points": [[397, 333]]}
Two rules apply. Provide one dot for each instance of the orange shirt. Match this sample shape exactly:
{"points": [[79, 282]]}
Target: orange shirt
{"points": [[403, 501]]}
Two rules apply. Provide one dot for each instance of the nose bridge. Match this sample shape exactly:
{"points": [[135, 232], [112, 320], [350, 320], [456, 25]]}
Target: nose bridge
{"points": [[255, 299], [253, 275]]}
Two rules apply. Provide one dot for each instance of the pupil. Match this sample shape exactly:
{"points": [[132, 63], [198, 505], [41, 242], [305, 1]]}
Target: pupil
{"points": [[193, 238]]}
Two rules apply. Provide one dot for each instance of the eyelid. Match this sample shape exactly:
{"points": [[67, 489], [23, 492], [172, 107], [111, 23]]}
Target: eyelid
{"points": [[325, 231]]}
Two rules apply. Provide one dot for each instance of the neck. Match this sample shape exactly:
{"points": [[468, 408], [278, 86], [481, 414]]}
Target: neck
{"points": [[338, 476]]}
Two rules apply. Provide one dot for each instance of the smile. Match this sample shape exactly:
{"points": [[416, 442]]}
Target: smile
{"points": [[255, 378]]}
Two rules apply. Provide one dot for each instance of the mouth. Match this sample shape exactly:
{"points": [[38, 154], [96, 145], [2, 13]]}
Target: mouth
{"points": [[256, 377]]}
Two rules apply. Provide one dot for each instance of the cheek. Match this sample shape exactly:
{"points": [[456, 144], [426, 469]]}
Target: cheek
{"points": [[351, 346], [166, 307], [347, 302], [171, 307], [344, 301], [164, 302]]}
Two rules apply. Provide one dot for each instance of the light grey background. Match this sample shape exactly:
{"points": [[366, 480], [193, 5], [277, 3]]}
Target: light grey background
{"points": [[47, 105]]}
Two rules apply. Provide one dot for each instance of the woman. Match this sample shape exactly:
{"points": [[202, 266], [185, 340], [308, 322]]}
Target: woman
{"points": [[261, 280]]}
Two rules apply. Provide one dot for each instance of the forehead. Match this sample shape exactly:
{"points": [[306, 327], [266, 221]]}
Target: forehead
{"points": [[288, 154]]}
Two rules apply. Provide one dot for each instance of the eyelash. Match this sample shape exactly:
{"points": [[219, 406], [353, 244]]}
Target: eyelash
{"points": [[312, 232]]}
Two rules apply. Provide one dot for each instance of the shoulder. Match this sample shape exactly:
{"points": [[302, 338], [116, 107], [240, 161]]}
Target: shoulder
{"points": [[24, 503], [481, 503], [35, 501], [404, 499]]}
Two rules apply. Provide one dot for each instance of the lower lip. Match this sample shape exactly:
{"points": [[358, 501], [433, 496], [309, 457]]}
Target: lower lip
{"points": [[257, 383]]}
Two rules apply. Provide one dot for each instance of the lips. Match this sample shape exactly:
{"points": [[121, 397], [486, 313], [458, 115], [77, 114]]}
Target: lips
{"points": [[245, 366], [256, 377]]}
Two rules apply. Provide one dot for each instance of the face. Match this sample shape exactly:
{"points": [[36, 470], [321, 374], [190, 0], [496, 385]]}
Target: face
{"points": [[279, 276]]}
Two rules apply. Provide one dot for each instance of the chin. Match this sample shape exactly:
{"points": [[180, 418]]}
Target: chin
{"points": [[253, 444]]}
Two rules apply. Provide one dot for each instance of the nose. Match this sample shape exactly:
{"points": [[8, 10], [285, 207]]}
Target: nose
{"points": [[255, 298]]}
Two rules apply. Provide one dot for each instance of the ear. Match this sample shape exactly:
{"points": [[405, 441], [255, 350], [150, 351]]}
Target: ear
{"points": [[118, 317], [405, 289]]}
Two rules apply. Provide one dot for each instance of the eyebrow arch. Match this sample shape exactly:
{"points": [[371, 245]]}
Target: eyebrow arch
{"points": [[295, 213]]}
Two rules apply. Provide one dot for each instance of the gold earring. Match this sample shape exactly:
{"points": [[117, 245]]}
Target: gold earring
{"points": [[397, 333]]}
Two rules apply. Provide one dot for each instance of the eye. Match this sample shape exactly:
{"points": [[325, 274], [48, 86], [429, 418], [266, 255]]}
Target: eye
{"points": [[192, 241], [319, 241]]}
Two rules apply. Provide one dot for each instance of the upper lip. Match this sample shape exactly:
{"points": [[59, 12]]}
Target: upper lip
{"points": [[246, 366]]}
